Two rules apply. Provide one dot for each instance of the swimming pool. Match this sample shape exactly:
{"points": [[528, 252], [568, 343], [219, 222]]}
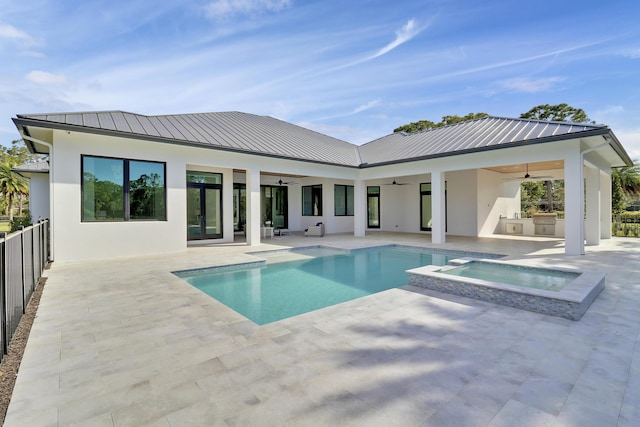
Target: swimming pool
{"points": [[267, 292]]}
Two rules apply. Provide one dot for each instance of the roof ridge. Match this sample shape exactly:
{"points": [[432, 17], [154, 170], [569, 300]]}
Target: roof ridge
{"points": [[63, 113]]}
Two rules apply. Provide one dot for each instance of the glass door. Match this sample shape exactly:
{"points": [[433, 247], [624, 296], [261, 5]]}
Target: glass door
{"points": [[426, 220], [239, 206], [204, 205], [204, 213], [274, 204]]}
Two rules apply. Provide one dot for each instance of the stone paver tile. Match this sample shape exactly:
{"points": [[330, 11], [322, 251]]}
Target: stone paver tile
{"points": [[517, 413], [544, 393], [156, 406], [584, 416], [202, 413]]}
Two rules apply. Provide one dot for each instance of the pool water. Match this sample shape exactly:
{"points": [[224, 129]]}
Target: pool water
{"points": [[272, 292], [529, 277]]}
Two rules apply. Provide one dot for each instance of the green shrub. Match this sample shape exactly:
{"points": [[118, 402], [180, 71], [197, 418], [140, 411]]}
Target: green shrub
{"points": [[24, 220]]}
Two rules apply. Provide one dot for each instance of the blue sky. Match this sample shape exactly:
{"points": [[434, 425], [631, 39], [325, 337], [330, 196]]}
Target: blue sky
{"points": [[354, 70]]}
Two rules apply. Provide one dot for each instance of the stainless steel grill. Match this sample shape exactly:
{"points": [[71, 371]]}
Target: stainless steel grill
{"points": [[545, 224]]}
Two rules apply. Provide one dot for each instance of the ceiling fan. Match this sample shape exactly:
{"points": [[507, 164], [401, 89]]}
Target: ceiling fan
{"points": [[528, 177], [281, 182], [397, 183]]}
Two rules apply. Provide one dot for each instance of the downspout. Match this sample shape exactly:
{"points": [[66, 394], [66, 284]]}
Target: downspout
{"points": [[51, 204], [582, 153]]}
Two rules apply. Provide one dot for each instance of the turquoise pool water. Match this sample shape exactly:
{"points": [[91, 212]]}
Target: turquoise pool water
{"points": [[272, 292], [529, 277]]}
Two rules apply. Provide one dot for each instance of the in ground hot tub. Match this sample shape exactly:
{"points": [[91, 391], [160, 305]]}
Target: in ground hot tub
{"points": [[557, 292]]}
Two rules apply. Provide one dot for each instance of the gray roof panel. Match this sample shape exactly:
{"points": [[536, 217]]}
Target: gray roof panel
{"points": [[265, 135], [474, 135]]}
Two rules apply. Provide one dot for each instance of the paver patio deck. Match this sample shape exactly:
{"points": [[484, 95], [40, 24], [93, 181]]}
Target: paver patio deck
{"points": [[126, 343]]}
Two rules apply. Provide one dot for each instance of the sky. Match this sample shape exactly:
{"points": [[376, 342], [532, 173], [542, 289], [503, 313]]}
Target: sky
{"points": [[354, 70]]}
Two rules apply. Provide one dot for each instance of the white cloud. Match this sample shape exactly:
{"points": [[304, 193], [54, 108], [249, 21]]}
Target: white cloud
{"points": [[45, 78], [530, 85], [366, 106], [403, 35], [633, 53], [32, 54], [225, 8], [630, 140], [10, 32]]}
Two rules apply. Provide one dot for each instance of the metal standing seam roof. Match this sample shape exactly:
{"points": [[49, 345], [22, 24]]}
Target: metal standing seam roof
{"points": [[234, 131], [474, 135], [266, 135]]}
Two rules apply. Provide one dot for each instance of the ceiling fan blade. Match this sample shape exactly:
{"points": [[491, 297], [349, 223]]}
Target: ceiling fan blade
{"points": [[397, 183], [531, 178]]}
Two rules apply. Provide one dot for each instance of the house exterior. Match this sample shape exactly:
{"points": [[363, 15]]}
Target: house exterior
{"points": [[123, 184]]}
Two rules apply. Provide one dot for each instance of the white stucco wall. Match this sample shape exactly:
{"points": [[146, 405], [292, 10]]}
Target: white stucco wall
{"points": [[39, 196], [476, 198], [77, 240]]}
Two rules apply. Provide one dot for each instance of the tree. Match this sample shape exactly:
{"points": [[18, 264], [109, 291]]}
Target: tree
{"points": [[18, 154], [446, 120], [617, 194], [558, 112], [629, 177], [12, 185]]}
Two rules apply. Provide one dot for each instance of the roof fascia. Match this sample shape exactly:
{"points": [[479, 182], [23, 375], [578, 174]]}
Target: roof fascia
{"points": [[615, 144]]}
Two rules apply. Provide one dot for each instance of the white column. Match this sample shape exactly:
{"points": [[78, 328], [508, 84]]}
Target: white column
{"points": [[227, 204], [573, 205], [592, 225], [252, 226], [605, 205], [437, 207], [359, 208]]}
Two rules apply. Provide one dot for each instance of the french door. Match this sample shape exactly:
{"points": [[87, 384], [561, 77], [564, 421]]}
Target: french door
{"points": [[204, 211]]}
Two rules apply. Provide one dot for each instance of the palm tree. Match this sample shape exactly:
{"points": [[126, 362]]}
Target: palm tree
{"points": [[629, 179], [11, 185]]}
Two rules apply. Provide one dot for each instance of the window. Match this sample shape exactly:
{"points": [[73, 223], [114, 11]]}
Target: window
{"points": [[274, 204], [425, 206], [312, 200], [373, 207], [122, 190], [343, 198]]}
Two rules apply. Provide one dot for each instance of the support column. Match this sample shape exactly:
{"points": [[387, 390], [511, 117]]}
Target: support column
{"points": [[573, 205], [359, 208], [437, 208], [592, 224], [605, 205], [252, 226]]}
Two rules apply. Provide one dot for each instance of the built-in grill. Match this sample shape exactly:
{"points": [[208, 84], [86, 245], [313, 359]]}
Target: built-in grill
{"points": [[545, 223]]}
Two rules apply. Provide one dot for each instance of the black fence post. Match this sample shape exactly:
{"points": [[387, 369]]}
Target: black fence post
{"points": [[3, 292], [21, 229], [33, 257]]}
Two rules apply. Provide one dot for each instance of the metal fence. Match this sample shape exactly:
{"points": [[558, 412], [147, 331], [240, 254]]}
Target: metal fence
{"points": [[23, 257]]}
